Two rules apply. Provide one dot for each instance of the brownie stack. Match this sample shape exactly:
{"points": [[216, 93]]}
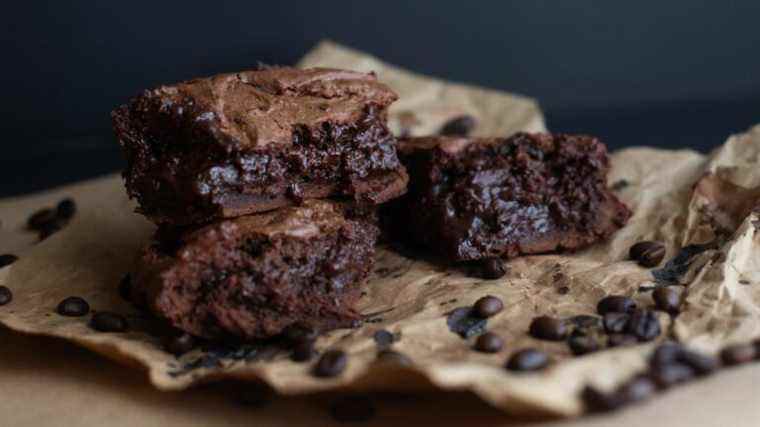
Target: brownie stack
{"points": [[263, 184]]}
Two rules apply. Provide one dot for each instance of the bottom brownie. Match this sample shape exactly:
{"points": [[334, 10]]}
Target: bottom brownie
{"points": [[252, 276]]}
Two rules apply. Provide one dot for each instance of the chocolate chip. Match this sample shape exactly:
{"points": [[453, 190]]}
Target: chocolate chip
{"points": [[647, 254], [465, 322], [637, 389], [738, 354], [6, 296], [459, 126], [383, 338], [331, 364], [528, 360], [66, 209], [490, 269], [41, 218], [353, 409], [73, 307], [125, 287], [615, 304], [549, 328], [644, 325], [178, 344], [303, 351], [668, 299], [106, 321], [615, 323], [489, 343], [7, 259], [584, 344], [671, 374], [297, 332], [488, 306], [393, 358], [49, 229], [621, 340]]}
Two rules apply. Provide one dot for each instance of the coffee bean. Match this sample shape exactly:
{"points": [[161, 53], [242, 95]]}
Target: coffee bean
{"points": [[393, 358], [549, 328], [615, 323], [598, 401], [490, 269], [702, 364], [647, 254], [73, 307], [7, 259], [331, 364], [178, 344], [738, 354], [584, 344], [666, 353], [489, 343], [6, 296], [637, 389], [41, 218], [621, 340], [488, 306], [585, 321], [106, 321], [615, 304], [125, 287], [353, 409], [671, 374], [297, 332], [66, 209], [303, 351], [459, 126], [465, 322], [383, 338], [528, 360], [49, 229], [668, 299], [644, 325]]}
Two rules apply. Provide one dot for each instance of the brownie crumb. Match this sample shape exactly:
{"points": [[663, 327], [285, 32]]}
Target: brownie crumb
{"points": [[6, 296]]}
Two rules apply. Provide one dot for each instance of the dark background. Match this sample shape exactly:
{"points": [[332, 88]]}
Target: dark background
{"points": [[676, 73]]}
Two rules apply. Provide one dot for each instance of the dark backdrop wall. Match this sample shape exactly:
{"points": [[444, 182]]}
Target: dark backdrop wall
{"points": [[677, 73]]}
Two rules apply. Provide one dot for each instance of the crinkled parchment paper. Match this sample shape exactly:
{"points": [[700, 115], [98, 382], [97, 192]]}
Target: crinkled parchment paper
{"points": [[679, 197]]}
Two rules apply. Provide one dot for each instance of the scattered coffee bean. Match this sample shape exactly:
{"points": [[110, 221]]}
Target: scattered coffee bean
{"points": [[353, 409], [179, 344], [671, 374], [49, 229], [106, 321], [637, 389], [303, 351], [73, 307], [665, 353], [331, 364], [459, 126], [702, 364], [489, 343], [644, 325], [528, 360], [66, 209], [738, 354], [488, 306], [490, 269], [615, 323], [125, 287], [383, 338], [549, 328], [647, 254], [297, 332], [668, 299], [41, 218], [7, 259], [6, 296], [465, 322], [584, 344], [621, 340], [615, 304], [585, 321], [393, 358]]}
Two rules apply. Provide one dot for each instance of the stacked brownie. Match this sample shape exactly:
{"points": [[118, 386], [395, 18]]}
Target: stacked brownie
{"points": [[236, 170]]}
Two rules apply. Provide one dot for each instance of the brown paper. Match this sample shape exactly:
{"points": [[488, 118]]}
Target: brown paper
{"points": [[410, 297]]}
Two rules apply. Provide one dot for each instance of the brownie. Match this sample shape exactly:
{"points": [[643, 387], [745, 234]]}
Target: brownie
{"points": [[251, 276], [253, 141], [475, 198]]}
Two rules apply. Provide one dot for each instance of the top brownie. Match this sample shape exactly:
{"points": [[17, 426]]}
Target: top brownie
{"points": [[253, 141], [476, 198]]}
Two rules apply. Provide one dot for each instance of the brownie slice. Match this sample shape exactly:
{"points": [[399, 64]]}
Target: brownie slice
{"points": [[251, 276], [475, 198], [253, 141]]}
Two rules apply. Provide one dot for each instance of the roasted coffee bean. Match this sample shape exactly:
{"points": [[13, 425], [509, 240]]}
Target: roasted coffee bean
{"points": [[303, 351], [297, 332], [179, 344], [490, 269], [73, 307], [598, 401], [459, 126], [49, 229], [528, 360], [66, 209], [638, 388], [489, 343], [644, 325], [584, 344], [41, 218], [6, 296], [125, 287], [393, 358], [668, 299], [585, 321], [738, 354], [464, 322], [331, 364], [7, 259], [665, 353], [106, 321], [549, 328], [488, 306], [615, 304], [353, 409], [702, 364], [621, 340], [671, 374], [647, 254], [383, 338], [615, 323]]}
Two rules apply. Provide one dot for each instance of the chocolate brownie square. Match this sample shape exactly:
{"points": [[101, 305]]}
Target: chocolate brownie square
{"points": [[251, 276], [253, 141], [475, 198]]}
